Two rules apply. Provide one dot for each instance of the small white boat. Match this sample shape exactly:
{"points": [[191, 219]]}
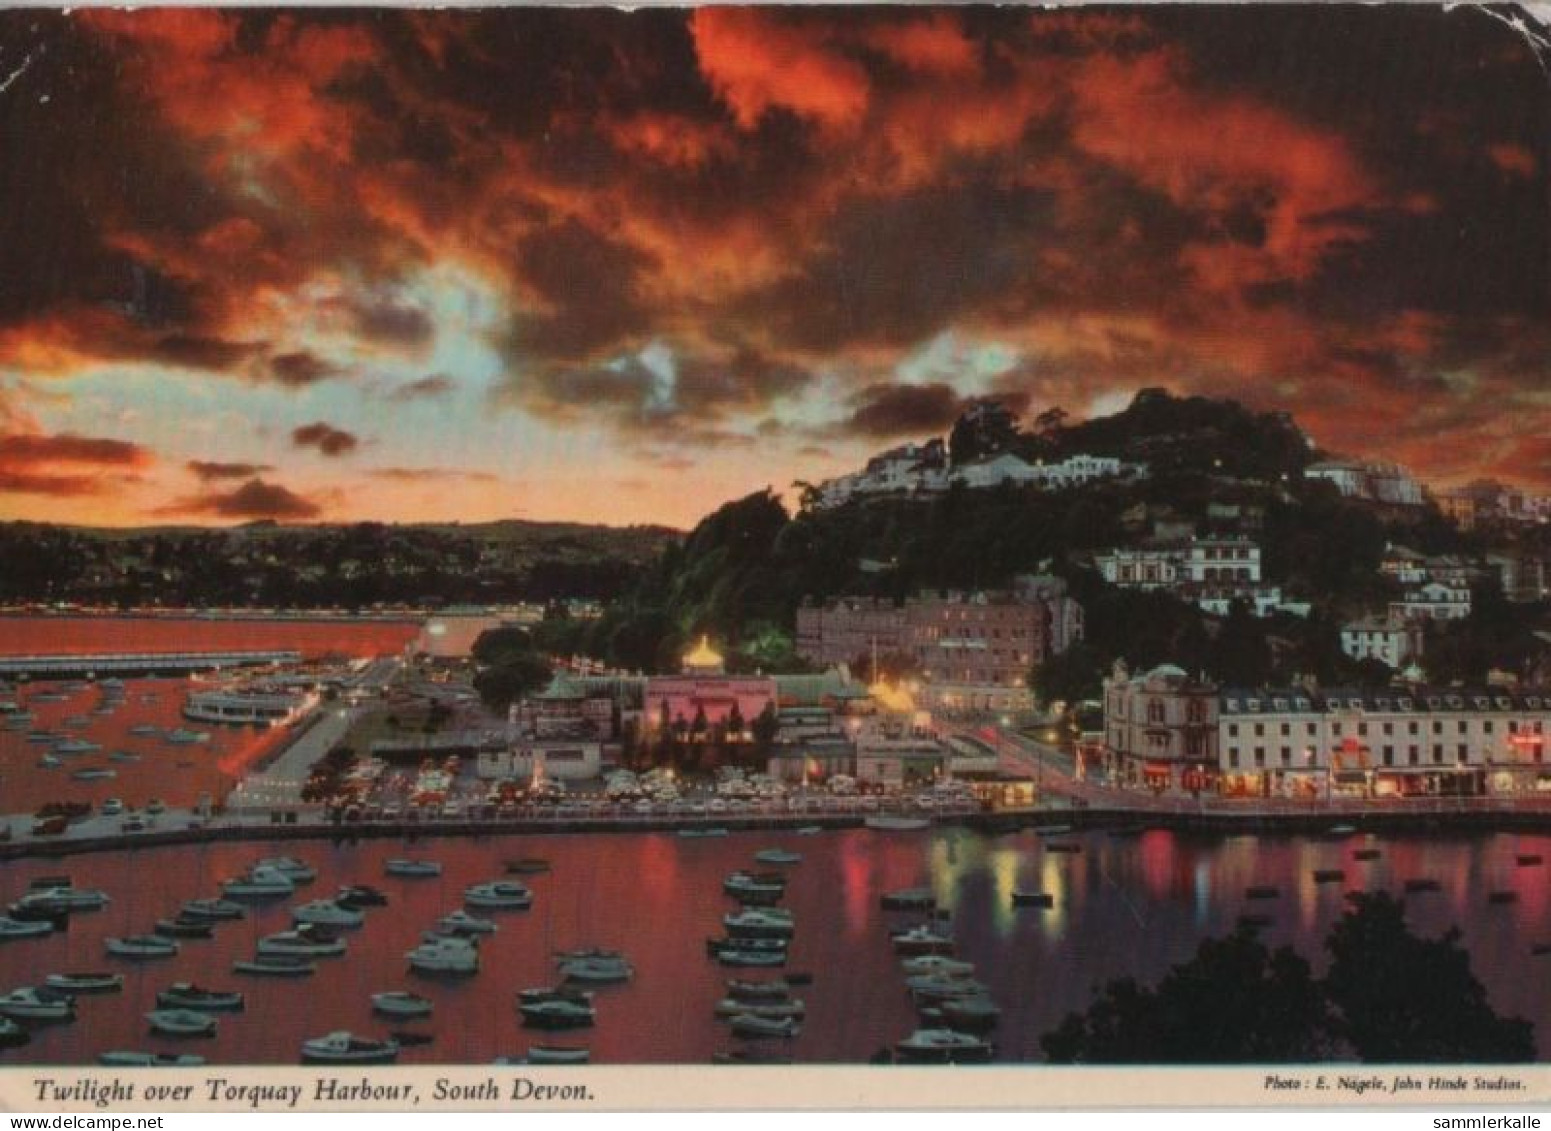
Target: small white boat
{"points": [[776, 989], [304, 942], [777, 856], [597, 970], [186, 995], [886, 822], [297, 871], [260, 883], [941, 987], [695, 833], [145, 730], [72, 747], [558, 1054], [357, 896], [943, 1046], [123, 756], [327, 913], [750, 1025], [275, 966], [343, 1047], [556, 1013], [89, 982], [760, 923], [216, 909], [93, 775], [401, 1003], [412, 869], [970, 1014], [499, 894], [731, 956], [24, 928], [181, 737], [37, 1003], [937, 964], [460, 922], [552, 993], [755, 887], [444, 956], [49, 762], [922, 940], [131, 1059], [810, 830], [141, 946], [768, 1010], [66, 897]]}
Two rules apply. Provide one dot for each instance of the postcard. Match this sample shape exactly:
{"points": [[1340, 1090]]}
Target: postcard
{"points": [[979, 557]]}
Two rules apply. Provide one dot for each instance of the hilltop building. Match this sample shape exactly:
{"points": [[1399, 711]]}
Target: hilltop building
{"points": [[1376, 481]]}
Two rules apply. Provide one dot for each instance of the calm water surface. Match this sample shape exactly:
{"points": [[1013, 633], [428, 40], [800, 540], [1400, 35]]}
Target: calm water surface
{"points": [[1124, 906]]}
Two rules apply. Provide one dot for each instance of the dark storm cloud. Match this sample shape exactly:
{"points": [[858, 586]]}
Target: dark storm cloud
{"points": [[211, 471], [685, 215], [326, 438], [255, 499]]}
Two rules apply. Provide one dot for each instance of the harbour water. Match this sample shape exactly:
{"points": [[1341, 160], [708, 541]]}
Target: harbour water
{"points": [[657, 897]]}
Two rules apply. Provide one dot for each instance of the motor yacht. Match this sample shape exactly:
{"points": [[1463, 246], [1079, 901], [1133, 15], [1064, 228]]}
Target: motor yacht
{"points": [[342, 1047], [499, 895], [141, 946], [401, 1003], [186, 995]]}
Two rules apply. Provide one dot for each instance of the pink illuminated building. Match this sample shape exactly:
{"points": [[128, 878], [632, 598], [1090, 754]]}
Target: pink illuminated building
{"points": [[704, 687]]}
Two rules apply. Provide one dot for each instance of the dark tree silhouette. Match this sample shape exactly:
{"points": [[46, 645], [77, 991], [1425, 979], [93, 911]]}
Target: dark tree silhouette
{"points": [[1399, 998], [1235, 1002]]}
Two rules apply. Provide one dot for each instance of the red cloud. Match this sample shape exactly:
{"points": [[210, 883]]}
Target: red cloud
{"points": [[66, 464], [256, 498], [326, 438]]}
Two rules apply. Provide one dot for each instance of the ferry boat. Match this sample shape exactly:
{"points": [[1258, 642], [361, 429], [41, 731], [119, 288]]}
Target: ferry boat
{"points": [[245, 708], [342, 1047]]}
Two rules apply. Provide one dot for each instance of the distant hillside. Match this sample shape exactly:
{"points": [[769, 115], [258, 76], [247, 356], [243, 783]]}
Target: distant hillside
{"points": [[324, 566]]}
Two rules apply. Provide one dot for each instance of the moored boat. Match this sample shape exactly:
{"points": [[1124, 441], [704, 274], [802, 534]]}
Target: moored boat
{"points": [[527, 866], [141, 946], [181, 928], [504, 895], [597, 969], [259, 883], [774, 989], [343, 1047], [759, 923], [460, 922], [941, 987], [12, 928], [181, 1023], [444, 956], [186, 995], [971, 1014], [126, 1058], [412, 869], [274, 966], [937, 964], [558, 1054], [66, 897], [327, 913], [1021, 898], [1329, 876], [85, 982], [750, 1025], [401, 1003], [37, 1003], [922, 939], [360, 895], [556, 1013], [213, 909], [943, 1046], [769, 1010], [885, 822], [297, 871], [303, 942]]}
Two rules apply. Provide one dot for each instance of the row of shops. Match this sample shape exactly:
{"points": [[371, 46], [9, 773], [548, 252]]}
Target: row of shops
{"points": [[1321, 782]]}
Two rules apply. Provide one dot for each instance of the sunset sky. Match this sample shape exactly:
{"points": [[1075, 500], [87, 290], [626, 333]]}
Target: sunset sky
{"points": [[448, 265]]}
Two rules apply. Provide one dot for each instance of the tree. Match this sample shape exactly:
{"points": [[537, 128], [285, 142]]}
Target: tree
{"points": [[1399, 998], [515, 677], [766, 726], [1071, 677], [1235, 1002]]}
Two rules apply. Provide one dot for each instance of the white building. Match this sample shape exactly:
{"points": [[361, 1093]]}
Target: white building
{"points": [[560, 759], [1376, 481], [1392, 642], [993, 471], [1208, 561], [1437, 600], [905, 470]]}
